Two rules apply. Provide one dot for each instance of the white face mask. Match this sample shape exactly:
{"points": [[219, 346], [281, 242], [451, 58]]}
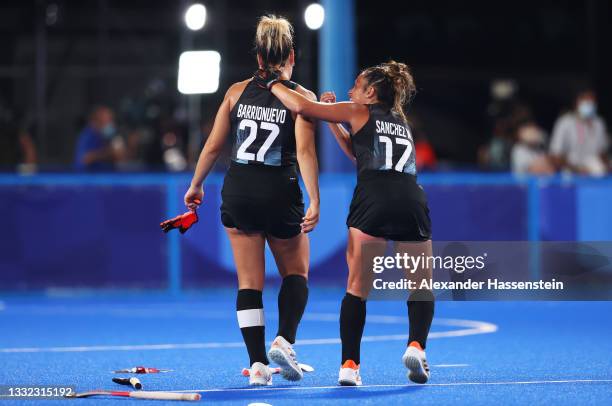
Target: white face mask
{"points": [[587, 109]]}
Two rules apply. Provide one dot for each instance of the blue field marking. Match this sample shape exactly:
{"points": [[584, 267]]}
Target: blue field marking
{"points": [[536, 353], [533, 228]]}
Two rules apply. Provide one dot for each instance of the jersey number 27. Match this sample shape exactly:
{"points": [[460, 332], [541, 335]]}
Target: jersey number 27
{"points": [[252, 126], [399, 165]]}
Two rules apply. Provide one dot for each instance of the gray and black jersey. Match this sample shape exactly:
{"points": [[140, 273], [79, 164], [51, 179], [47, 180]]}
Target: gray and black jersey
{"points": [[387, 202], [262, 128], [384, 143]]}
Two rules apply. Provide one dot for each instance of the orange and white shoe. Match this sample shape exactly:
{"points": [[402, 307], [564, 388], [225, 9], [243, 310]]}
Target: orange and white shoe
{"points": [[260, 375], [349, 374], [414, 359]]}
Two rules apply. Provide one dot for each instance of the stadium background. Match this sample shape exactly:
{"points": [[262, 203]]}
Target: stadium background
{"points": [[89, 284], [64, 229]]}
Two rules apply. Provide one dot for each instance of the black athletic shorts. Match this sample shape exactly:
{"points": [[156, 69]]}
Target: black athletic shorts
{"points": [[262, 199], [390, 205]]}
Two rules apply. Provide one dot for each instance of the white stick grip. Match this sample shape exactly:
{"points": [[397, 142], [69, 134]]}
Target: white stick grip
{"points": [[135, 382], [165, 395]]}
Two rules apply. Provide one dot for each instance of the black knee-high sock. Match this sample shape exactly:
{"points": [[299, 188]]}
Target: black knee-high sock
{"points": [[420, 314], [292, 300], [249, 309], [352, 321]]}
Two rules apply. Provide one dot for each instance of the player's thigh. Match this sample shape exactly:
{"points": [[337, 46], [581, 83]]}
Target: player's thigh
{"points": [[359, 279], [291, 254], [249, 259], [420, 269]]}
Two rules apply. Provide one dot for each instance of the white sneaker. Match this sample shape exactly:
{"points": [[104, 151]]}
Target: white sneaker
{"points": [[414, 359], [282, 354], [260, 375], [349, 374]]}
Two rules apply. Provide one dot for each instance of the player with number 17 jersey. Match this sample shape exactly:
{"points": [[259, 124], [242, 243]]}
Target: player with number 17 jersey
{"points": [[388, 204], [387, 201]]}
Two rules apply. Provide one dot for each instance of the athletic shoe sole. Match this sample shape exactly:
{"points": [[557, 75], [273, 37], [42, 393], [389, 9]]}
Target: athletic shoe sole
{"points": [[417, 372], [291, 371], [348, 380], [260, 383]]}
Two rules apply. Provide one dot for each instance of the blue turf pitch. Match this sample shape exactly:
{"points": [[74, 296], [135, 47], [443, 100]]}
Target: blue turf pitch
{"points": [[482, 353]]}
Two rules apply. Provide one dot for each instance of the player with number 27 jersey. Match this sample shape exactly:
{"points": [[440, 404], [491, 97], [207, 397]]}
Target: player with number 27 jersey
{"points": [[261, 191], [262, 129], [261, 200]]}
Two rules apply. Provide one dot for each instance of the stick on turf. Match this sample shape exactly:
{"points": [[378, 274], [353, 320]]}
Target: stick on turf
{"points": [[139, 395], [133, 381]]}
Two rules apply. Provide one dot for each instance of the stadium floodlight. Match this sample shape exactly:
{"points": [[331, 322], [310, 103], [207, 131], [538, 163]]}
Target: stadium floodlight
{"points": [[314, 16], [199, 72], [195, 16]]}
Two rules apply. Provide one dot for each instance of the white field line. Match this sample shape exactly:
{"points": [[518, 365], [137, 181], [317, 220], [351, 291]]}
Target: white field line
{"points": [[451, 365], [301, 388], [467, 328]]}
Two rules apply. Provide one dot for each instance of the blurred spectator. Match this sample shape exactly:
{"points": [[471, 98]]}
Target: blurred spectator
{"points": [[97, 149], [529, 154], [506, 113], [17, 148], [425, 154], [173, 155], [135, 146], [496, 154], [579, 141], [167, 147]]}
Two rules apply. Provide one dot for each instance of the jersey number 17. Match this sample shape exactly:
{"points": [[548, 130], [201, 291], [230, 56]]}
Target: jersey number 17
{"points": [[401, 162]]}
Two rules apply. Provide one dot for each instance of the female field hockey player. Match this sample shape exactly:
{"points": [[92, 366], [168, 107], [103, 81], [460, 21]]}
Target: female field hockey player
{"points": [[262, 201], [388, 204]]}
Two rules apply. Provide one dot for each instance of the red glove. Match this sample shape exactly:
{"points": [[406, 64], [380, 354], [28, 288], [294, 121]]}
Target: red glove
{"points": [[182, 222]]}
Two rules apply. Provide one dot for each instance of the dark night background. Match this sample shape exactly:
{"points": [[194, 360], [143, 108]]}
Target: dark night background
{"points": [[125, 54]]}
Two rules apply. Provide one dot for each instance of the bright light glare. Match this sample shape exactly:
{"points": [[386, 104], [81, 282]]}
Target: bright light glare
{"points": [[314, 16], [195, 17], [199, 72]]}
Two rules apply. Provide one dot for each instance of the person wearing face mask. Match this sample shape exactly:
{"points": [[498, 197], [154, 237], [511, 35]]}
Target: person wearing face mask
{"points": [[96, 148], [580, 142]]}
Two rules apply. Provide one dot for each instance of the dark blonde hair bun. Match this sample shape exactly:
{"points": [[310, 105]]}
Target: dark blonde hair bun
{"points": [[273, 40], [394, 85]]}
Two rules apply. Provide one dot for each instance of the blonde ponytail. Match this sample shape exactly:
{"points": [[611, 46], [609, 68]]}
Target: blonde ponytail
{"points": [[273, 40]]}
